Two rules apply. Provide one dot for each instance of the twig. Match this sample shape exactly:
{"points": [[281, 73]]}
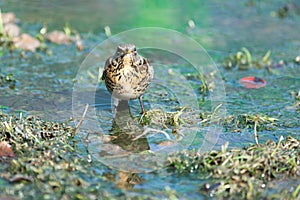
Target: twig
{"points": [[147, 130], [215, 110], [213, 115], [82, 117], [278, 145], [255, 131], [176, 116]]}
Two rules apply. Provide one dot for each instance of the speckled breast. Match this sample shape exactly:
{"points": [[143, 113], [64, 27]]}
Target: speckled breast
{"points": [[128, 80]]}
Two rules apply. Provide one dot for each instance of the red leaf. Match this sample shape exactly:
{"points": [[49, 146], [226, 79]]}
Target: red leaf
{"points": [[253, 82]]}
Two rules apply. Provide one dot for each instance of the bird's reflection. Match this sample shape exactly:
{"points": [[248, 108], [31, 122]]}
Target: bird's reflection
{"points": [[124, 130], [127, 180]]}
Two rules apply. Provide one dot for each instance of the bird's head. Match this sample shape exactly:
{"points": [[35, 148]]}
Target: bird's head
{"points": [[124, 49]]}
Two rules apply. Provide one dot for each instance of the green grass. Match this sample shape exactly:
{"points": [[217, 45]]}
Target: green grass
{"points": [[243, 173], [47, 164]]}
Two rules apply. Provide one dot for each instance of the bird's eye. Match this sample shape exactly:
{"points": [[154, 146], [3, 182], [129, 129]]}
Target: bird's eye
{"points": [[141, 62], [134, 49]]}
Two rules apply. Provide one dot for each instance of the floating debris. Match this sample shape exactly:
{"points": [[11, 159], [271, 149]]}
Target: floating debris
{"points": [[251, 82]]}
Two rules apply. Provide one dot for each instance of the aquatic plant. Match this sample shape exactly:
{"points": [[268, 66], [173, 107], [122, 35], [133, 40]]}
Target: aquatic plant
{"points": [[243, 173], [235, 123], [244, 60], [7, 80], [297, 101]]}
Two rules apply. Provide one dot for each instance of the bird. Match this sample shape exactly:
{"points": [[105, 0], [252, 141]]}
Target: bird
{"points": [[127, 75]]}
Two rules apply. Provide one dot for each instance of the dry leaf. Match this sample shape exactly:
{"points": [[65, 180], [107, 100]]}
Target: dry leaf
{"points": [[26, 42], [8, 18], [58, 37], [6, 150], [12, 30]]}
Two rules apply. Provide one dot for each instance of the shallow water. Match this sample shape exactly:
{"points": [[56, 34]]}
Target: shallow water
{"points": [[45, 82]]}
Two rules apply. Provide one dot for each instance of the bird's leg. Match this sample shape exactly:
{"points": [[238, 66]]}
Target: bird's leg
{"points": [[116, 103], [115, 112], [141, 104]]}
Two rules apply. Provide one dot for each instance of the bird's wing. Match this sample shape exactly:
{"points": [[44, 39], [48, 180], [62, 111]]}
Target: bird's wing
{"points": [[107, 64]]}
